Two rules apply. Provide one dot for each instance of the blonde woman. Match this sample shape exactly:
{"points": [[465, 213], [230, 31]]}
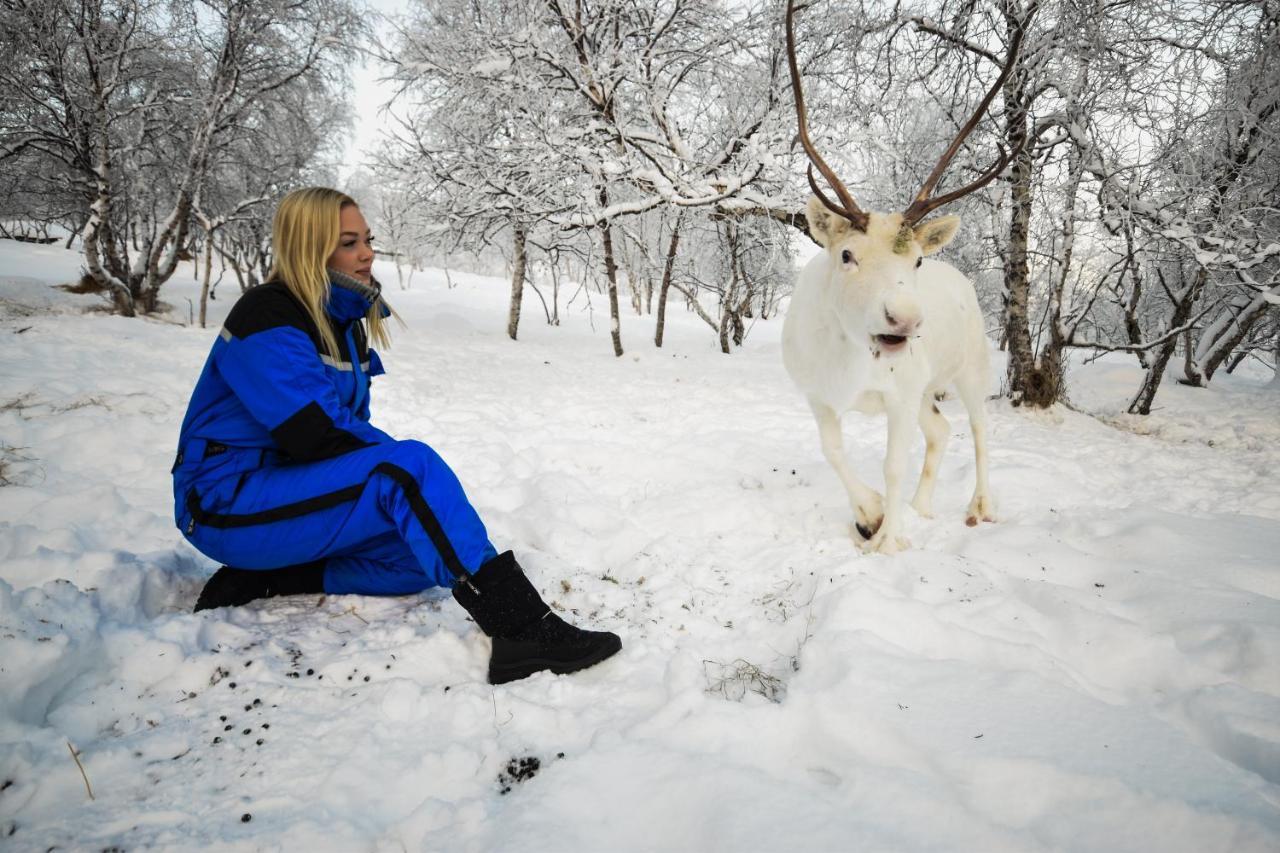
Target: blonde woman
{"points": [[280, 475]]}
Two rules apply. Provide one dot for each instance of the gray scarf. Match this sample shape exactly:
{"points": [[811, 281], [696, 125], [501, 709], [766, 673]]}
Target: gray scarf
{"points": [[371, 292]]}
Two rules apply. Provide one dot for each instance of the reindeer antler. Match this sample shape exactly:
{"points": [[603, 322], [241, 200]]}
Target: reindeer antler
{"points": [[922, 205], [847, 207]]}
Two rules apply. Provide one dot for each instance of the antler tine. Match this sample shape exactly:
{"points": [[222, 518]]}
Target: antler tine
{"points": [[850, 209], [920, 209], [828, 203], [922, 204]]}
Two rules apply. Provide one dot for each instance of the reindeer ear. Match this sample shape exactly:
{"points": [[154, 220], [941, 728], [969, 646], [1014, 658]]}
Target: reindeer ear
{"points": [[825, 226], [936, 233]]}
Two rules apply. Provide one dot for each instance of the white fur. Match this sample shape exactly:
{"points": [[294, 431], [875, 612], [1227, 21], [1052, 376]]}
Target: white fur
{"points": [[829, 349]]}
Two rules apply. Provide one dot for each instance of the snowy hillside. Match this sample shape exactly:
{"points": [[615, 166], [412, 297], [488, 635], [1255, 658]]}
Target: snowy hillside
{"points": [[1098, 671]]}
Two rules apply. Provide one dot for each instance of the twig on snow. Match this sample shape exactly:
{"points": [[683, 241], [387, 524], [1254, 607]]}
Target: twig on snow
{"points": [[75, 755]]}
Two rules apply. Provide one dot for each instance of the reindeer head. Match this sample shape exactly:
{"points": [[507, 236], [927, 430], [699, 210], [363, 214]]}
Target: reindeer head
{"points": [[875, 271], [875, 256]]}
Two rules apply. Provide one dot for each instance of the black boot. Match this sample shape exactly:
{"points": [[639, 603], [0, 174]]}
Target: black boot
{"points": [[527, 636], [233, 587]]}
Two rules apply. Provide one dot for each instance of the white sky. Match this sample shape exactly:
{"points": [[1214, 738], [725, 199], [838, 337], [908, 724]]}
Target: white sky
{"points": [[369, 95]]}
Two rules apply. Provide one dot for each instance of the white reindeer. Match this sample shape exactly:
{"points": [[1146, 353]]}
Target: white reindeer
{"points": [[876, 326]]}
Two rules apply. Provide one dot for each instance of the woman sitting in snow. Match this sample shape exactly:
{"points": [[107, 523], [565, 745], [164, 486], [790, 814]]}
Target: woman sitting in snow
{"points": [[280, 474]]}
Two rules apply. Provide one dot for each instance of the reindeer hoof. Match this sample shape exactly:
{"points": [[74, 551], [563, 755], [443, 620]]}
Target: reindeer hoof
{"points": [[981, 508], [868, 529], [880, 544]]}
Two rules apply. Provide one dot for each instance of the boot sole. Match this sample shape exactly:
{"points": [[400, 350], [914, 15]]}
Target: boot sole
{"points": [[529, 666]]}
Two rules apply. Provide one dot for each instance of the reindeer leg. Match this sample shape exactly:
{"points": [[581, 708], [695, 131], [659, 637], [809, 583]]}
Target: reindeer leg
{"points": [[935, 428], [972, 391], [889, 539], [866, 502]]}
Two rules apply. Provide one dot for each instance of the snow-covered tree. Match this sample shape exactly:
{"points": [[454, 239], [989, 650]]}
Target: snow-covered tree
{"points": [[528, 117], [1138, 210], [1191, 182], [127, 104]]}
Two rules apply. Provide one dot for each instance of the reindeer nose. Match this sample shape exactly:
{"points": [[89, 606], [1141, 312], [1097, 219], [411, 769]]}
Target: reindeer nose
{"points": [[907, 324]]}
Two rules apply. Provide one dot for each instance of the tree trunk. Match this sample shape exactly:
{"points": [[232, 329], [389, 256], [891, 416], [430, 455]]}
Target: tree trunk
{"points": [[1192, 373], [264, 260], [744, 307], [691, 301], [1141, 404], [517, 284], [400, 272], [230, 259], [739, 329], [633, 287], [1223, 336], [1028, 383], [555, 293], [76, 232], [208, 274], [1228, 344], [98, 240], [666, 278], [150, 299], [1049, 361], [1275, 361], [728, 303], [611, 273], [724, 331], [1132, 328]]}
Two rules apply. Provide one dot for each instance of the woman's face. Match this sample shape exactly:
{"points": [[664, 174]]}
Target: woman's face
{"points": [[354, 255]]}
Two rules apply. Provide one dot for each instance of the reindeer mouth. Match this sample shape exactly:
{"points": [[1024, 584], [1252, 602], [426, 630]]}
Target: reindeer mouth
{"points": [[890, 343]]}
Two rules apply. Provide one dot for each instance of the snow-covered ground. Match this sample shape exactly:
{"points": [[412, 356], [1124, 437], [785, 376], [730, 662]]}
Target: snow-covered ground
{"points": [[1098, 671]]}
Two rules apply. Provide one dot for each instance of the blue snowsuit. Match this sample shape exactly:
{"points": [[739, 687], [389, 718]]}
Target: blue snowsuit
{"points": [[278, 464]]}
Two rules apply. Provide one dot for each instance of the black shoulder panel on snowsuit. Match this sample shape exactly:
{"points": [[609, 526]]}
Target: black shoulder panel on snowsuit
{"points": [[269, 306], [310, 435]]}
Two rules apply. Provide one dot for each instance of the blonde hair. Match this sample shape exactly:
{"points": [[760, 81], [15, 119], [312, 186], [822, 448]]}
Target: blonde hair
{"points": [[304, 234]]}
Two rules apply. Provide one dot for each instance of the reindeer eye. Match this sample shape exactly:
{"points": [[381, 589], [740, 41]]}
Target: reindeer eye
{"points": [[919, 261], [846, 257]]}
